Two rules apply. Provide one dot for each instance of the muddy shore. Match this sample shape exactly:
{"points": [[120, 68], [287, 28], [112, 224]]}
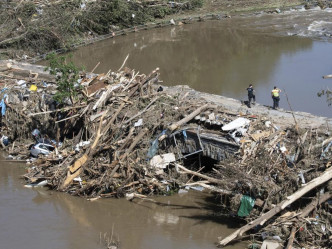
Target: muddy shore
{"points": [[280, 117]]}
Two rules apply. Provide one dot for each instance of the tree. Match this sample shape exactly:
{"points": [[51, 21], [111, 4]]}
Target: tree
{"points": [[67, 75]]}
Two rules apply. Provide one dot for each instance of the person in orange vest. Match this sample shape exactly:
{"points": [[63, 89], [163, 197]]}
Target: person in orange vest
{"points": [[275, 96]]}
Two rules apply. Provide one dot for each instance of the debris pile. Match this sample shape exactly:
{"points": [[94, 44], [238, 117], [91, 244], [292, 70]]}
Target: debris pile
{"points": [[125, 135], [281, 171]]}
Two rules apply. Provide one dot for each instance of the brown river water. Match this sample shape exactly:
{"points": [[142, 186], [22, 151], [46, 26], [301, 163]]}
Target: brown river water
{"points": [[36, 218], [292, 50]]}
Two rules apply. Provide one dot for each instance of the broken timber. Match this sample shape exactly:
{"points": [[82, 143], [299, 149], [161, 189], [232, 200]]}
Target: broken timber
{"points": [[326, 176], [305, 212]]}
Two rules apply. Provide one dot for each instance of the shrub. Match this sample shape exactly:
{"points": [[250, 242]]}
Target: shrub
{"points": [[67, 75]]}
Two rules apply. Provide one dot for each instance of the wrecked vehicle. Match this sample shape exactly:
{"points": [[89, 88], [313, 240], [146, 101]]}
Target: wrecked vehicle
{"points": [[41, 149]]}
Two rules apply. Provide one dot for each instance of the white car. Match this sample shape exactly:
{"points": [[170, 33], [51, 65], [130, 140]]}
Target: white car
{"points": [[41, 149]]}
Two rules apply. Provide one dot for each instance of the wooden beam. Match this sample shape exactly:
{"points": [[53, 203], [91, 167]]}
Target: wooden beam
{"points": [[188, 118], [326, 176]]}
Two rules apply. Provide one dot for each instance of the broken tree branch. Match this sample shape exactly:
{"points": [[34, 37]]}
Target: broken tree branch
{"points": [[305, 212], [326, 176], [187, 171]]}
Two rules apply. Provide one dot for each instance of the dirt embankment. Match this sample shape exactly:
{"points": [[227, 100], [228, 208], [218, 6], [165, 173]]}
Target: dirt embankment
{"points": [[236, 6], [30, 28]]}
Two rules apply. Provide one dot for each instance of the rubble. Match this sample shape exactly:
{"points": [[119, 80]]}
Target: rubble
{"points": [[122, 137]]}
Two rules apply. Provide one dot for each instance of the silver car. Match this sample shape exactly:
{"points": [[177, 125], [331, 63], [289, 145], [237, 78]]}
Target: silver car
{"points": [[41, 149]]}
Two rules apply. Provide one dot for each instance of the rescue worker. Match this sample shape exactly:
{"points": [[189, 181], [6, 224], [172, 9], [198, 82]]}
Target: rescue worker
{"points": [[251, 95], [275, 96]]}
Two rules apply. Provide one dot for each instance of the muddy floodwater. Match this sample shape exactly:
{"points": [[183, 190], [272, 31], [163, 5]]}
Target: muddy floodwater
{"points": [[291, 50], [38, 218]]}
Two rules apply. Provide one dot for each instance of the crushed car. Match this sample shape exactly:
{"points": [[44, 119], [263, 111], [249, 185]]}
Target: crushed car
{"points": [[41, 149]]}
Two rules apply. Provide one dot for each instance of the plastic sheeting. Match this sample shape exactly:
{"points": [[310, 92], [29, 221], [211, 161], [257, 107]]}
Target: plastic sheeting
{"points": [[247, 204], [154, 146]]}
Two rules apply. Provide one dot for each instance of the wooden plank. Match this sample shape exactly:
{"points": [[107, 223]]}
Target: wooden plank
{"points": [[326, 176], [95, 87], [257, 136], [78, 163], [188, 118]]}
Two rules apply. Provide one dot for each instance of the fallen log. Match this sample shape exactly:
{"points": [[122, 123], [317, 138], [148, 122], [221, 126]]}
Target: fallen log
{"points": [[188, 118], [210, 179], [326, 176]]}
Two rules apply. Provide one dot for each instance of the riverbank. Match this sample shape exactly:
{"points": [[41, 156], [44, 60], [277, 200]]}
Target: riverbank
{"points": [[34, 29], [124, 135]]}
